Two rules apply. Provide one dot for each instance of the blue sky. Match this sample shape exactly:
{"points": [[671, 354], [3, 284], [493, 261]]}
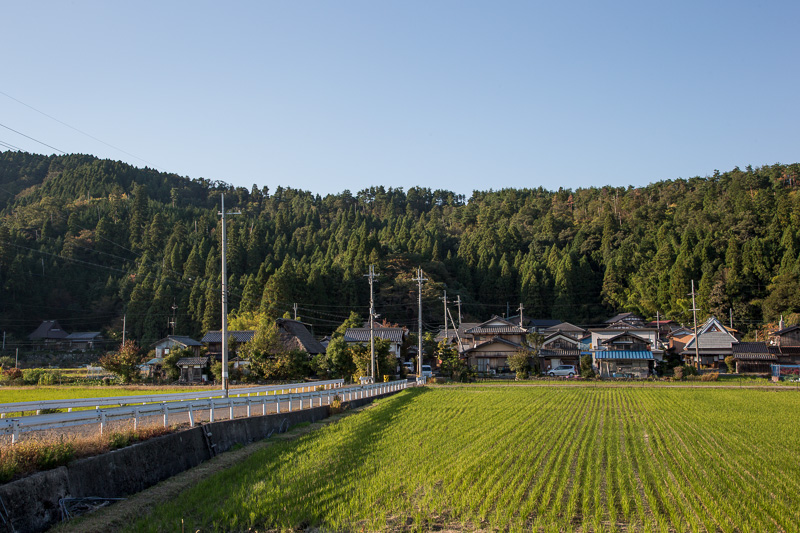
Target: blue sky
{"points": [[327, 96]]}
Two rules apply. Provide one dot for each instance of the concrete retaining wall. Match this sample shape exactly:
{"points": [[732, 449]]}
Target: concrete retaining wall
{"points": [[31, 504]]}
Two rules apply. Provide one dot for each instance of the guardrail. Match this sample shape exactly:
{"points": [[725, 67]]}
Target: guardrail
{"points": [[19, 407], [16, 426]]}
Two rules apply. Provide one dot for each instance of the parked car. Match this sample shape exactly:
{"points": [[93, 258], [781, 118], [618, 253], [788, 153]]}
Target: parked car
{"points": [[426, 371], [563, 370], [409, 366]]}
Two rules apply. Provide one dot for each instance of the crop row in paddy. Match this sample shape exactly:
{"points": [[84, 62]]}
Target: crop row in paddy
{"points": [[550, 459]]}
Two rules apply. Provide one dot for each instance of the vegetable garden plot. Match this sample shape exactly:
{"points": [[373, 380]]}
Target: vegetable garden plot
{"points": [[518, 459]]}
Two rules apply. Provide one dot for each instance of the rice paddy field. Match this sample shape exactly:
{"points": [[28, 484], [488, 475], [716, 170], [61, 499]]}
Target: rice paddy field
{"points": [[520, 459]]}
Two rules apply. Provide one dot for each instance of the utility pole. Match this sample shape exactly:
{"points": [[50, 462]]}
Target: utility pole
{"points": [[174, 316], [4, 341], [446, 332], [16, 360], [124, 318], [224, 300], [520, 314], [731, 315], [696, 339], [294, 306], [419, 279], [458, 301], [371, 276]]}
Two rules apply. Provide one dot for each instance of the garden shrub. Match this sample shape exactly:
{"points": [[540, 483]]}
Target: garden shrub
{"points": [[730, 362], [31, 376], [711, 376], [678, 372]]}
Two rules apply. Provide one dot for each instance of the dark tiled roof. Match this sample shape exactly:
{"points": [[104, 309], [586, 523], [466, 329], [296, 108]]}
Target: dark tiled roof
{"points": [[191, 361], [624, 316], [362, 334], [784, 331], [752, 350], [295, 336], [556, 352], [83, 336], [543, 322], [615, 337], [48, 329], [240, 336]]}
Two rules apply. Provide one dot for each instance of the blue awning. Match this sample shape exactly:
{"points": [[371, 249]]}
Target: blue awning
{"points": [[623, 354]]}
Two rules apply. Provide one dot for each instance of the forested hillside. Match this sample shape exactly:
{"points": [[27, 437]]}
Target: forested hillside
{"points": [[85, 241]]}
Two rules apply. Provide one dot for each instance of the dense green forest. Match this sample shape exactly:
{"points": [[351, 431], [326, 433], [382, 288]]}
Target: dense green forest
{"points": [[86, 241]]}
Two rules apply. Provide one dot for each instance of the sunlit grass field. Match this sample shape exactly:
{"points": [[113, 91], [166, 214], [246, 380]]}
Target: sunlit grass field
{"points": [[54, 392], [521, 458]]}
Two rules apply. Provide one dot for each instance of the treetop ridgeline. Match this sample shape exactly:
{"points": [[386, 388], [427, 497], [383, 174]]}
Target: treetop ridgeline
{"points": [[86, 241]]}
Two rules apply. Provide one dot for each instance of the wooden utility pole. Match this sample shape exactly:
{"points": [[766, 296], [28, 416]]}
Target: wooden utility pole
{"points": [[224, 299], [419, 279], [294, 307], [124, 318], [520, 314], [696, 339], [458, 301]]}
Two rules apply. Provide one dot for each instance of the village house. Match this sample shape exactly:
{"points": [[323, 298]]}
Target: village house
{"points": [[713, 344], [295, 335], [213, 341], [193, 369], [395, 336], [559, 349], [494, 342], [49, 334], [567, 329], [622, 350], [166, 345], [83, 340], [753, 356]]}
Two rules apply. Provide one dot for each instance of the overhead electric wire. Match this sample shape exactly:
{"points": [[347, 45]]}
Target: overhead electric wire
{"points": [[11, 146], [79, 131], [35, 140]]}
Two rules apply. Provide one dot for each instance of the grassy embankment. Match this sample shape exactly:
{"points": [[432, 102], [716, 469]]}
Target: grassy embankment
{"points": [[521, 458]]}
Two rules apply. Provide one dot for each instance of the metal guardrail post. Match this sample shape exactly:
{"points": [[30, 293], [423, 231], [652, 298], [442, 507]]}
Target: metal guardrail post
{"points": [[102, 421], [278, 405], [166, 413], [14, 431], [211, 410], [230, 408], [135, 418], [191, 416], [264, 406]]}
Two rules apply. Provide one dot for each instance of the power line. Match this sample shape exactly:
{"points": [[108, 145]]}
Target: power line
{"points": [[79, 131], [35, 140]]}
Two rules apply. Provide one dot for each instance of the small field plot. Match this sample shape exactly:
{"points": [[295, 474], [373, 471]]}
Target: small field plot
{"points": [[519, 459]]}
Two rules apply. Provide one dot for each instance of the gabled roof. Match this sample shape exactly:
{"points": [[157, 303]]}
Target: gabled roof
{"points": [[622, 317], [715, 340], [565, 326], [553, 336], [620, 324], [496, 340], [48, 329], [295, 336], [83, 336], [179, 339], [362, 334], [240, 336], [613, 339], [496, 325]]}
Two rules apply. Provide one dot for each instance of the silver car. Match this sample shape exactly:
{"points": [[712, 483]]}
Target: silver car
{"points": [[563, 370]]}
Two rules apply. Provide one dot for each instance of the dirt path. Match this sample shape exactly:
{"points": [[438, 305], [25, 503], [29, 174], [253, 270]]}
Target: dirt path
{"points": [[119, 515]]}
